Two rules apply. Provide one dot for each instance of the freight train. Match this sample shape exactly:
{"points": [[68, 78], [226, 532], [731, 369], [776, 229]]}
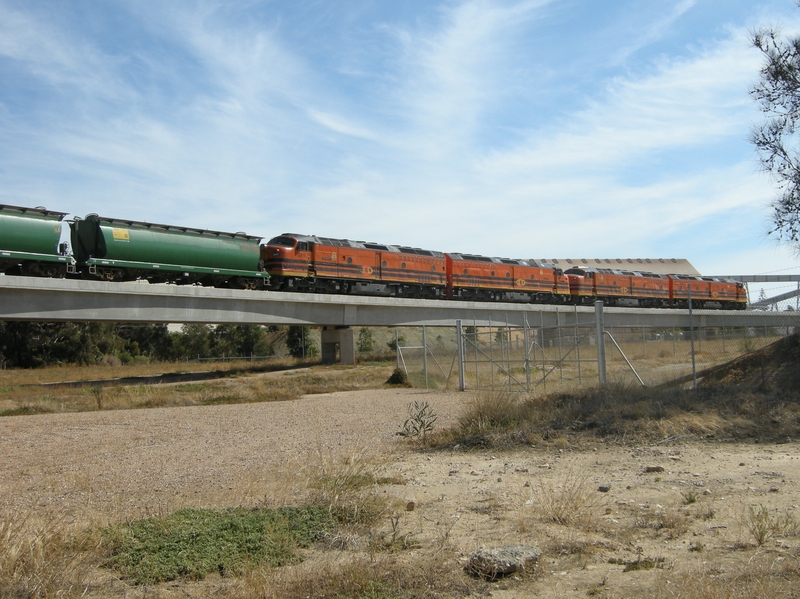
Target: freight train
{"points": [[112, 249]]}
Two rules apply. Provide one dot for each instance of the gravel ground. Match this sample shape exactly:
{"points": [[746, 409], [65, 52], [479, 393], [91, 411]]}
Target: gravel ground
{"points": [[120, 464], [690, 516]]}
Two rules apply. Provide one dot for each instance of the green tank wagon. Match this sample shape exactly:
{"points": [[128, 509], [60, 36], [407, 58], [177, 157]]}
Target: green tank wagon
{"points": [[30, 242], [122, 250]]}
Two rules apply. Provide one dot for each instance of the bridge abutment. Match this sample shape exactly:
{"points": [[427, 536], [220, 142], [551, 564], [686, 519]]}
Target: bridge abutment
{"points": [[342, 338]]}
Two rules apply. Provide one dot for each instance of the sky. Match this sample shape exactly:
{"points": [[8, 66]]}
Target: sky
{"points": [[512, 128]]}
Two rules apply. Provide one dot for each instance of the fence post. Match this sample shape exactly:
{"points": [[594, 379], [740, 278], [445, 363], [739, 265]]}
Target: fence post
{"points": [[601, 342], [460, 344], [544, 358], [425, 355], [397, 346], [578, 347], [526, 340], [691, 336]]}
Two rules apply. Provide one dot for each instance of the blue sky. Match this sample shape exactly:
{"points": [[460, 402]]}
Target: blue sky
{"points": [[528, 128]]}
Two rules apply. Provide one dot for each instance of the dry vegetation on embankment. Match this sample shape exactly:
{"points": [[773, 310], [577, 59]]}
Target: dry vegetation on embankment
{"points": [[44, 391], [700, 491]]}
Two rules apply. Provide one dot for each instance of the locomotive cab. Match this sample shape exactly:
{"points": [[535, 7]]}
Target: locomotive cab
{"points": [[287, 260], [581, 284]]}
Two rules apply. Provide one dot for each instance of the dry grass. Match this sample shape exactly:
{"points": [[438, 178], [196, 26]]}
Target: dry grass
{"points": [[74, 372], [43, 559], [384, 577], [568, 501], [256, 384], [633, 413], [762, 575], [346, 485]]}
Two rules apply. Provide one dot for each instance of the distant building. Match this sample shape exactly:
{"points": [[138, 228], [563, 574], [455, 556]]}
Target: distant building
{"points": [[659, 266]]}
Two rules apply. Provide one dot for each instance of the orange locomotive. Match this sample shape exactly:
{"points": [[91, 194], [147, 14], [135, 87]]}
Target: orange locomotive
{"points": [[319, 264], [630, 288], [480, 278], [706, 292], [324, 265]]}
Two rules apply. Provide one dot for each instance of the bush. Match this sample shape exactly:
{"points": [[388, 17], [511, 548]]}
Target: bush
{"points": [[398, 377], [420, 421]]}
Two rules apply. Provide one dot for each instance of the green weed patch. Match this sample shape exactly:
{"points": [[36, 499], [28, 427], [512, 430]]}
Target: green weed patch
{"points": [[191, 543]]}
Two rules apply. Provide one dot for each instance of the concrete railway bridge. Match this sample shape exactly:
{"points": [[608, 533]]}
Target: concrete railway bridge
{"points": [[27, 298]]}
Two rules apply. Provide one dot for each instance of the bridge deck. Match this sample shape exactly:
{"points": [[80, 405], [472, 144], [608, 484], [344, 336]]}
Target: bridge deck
{"points": [[27, 298]]}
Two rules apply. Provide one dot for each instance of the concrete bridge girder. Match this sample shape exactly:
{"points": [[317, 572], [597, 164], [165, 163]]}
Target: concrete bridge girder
{"points": [[28, 298]]}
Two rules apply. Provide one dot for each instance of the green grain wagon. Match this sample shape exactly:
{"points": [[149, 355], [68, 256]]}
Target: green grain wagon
{"points": [[122, 250], [30, 242]]}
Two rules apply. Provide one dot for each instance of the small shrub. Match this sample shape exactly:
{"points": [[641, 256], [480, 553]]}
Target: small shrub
{"points": [[398, 377], [758, 523], [392, 344], [420, 421], [395, 540], [762, 526], [366, 341]]}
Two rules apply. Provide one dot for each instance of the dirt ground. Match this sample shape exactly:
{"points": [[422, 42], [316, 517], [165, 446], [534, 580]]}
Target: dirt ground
{"points": [[691, 519]]}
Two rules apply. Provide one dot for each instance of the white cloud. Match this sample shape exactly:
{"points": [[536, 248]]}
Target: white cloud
{"points": [[242, 129], [340, 125]]}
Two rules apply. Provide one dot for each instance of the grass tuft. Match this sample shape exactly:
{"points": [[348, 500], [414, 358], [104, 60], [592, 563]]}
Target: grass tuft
{"points": [[568, 502], [345, 486], [42, 560]]}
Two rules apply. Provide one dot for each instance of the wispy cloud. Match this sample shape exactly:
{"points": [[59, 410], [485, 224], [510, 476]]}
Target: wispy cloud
{"points": [[247, 115]]}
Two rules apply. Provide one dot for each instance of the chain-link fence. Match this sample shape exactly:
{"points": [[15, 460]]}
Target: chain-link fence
{"points": [[547, 359]]}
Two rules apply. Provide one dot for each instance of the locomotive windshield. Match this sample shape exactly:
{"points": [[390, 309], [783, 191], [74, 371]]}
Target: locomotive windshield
{"points": [[576, 271], [283, 241]]}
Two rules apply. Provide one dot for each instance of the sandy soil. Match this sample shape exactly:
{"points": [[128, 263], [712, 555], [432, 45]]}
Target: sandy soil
{"points": [[100, 467]]}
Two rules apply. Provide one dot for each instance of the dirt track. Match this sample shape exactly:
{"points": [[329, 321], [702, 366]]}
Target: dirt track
{"points": [[122, 463]]}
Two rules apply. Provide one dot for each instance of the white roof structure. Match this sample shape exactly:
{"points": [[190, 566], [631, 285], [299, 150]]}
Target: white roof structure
{"points": [[659, 266]]}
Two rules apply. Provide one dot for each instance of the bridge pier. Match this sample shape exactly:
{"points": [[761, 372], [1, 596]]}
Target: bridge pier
{"points": [[344, 338]]}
